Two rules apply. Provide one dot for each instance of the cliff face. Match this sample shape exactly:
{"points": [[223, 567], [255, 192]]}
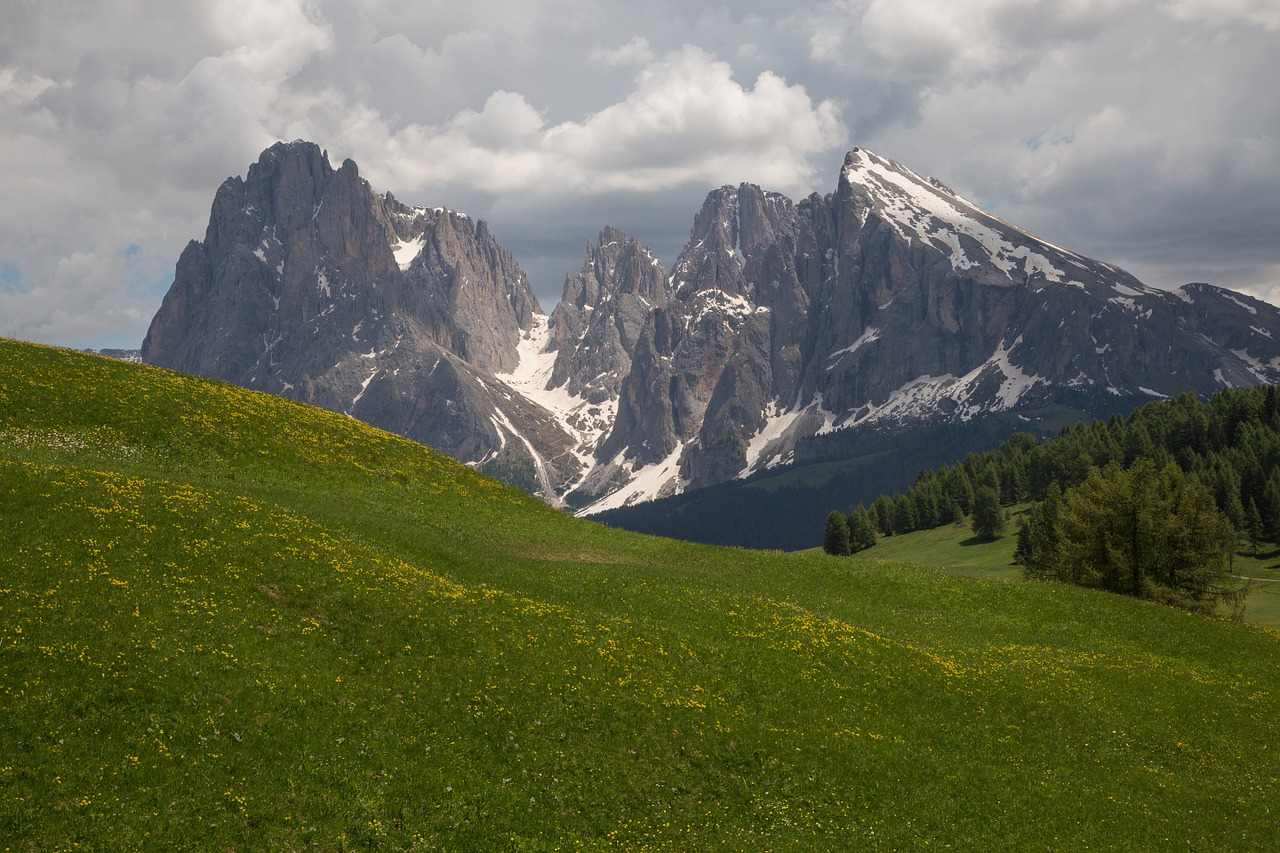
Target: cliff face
{"points": [[597, 323], [889, 301]]}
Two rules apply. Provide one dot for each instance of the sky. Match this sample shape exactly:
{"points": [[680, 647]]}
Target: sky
{"points": [[1145, 133]]}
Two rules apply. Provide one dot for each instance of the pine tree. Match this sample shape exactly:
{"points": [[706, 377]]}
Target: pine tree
{"points": [[1147, 533], [862, 533], [1269, 509], [1253, 526], [904, 515], [988, 516], [958, 488], [1022, 551], [1043, 553], [835, 539], [884, 514]]}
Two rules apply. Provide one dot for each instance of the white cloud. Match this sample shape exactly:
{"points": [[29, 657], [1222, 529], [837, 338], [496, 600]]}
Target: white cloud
{"points": [[634, 52], [1263, 13], [685, 121], [940, 42]]}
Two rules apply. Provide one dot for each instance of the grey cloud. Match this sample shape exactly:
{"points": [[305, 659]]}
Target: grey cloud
{"points": [[1138, 131]]}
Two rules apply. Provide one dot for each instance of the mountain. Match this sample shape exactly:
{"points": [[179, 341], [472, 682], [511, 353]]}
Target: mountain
{"points": [[785, 332], [310, 285], [893, 301], [122, 354]]}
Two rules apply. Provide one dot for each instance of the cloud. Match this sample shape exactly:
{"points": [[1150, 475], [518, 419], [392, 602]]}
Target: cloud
{"points": [[935, 42], [634, 52], [106, 145], [686, 121], [1140, 131], [87, 296], [1263, 13]]}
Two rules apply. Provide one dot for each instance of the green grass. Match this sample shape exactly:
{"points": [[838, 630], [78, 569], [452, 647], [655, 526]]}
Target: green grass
{"points": [[954, 547], [232, 622]]}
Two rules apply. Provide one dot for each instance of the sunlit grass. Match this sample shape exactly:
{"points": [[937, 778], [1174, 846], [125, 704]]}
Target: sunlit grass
{"points": [[229, 621]]}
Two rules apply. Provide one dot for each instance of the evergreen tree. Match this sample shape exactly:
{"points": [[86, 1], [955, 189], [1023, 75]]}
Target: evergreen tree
{"points": [[884, 513], [1147, 533], [862, 533], [904, 515], [1269, 509], [835, 539], [1022, 551], [874, 515], [1253, 526], [956, 484], [925, 506], [1043, 553], [988, 516]]}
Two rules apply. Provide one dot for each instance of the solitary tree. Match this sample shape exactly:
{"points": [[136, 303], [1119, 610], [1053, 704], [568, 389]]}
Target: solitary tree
{"points": [[835, 540], [988, 517]]}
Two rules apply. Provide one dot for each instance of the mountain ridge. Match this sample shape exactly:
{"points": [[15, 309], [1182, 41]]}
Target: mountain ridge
{"points": [[890, 301]]}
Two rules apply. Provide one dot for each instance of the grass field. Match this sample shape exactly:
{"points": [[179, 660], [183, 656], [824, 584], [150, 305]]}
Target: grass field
{"points": [[228, 621]]}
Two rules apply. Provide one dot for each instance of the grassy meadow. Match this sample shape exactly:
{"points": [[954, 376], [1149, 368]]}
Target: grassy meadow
{"points": [[228, 621]]}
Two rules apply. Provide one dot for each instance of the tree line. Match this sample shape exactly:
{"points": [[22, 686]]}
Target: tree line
{"points": [[1152, 504]]}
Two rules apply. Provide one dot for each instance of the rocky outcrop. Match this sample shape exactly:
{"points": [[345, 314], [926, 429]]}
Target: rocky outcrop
{"points": [[597, 323]]}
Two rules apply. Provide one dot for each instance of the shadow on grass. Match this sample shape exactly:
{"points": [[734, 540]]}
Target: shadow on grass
{"points": [[977, 540]]}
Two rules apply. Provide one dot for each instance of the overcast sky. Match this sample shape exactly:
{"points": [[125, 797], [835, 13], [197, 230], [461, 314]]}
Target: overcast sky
{"points": [[1141, 132]]}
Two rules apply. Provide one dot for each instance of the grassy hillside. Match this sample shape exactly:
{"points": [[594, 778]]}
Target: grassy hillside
{"points": [[232, 622]]}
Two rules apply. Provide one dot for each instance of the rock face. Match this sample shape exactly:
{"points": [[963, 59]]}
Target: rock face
{"points": [[595, 327], [890, 301]]}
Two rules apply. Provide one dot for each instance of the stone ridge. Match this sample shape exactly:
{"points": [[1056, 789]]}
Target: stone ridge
{"points": [[894, 300]]}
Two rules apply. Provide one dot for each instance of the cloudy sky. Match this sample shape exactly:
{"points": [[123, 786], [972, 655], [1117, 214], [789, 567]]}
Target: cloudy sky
{"points": [[1142, 132]]}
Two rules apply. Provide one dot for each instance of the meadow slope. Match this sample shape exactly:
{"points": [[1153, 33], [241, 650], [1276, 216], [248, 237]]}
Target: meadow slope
{"points": [[231, 621]]}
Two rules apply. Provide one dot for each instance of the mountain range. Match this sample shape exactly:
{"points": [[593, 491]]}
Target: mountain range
{"points": [[783, 329]]}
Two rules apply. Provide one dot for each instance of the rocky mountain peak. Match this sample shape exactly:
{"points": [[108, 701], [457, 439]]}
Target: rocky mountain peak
{"points": [[311, 285], [595, 327]]}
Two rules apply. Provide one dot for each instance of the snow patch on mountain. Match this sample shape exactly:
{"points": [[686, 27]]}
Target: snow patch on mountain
{"points": [[645, 483], [871, 333], [920, 209], [406, 250], [777, 425], [584, 420]]}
